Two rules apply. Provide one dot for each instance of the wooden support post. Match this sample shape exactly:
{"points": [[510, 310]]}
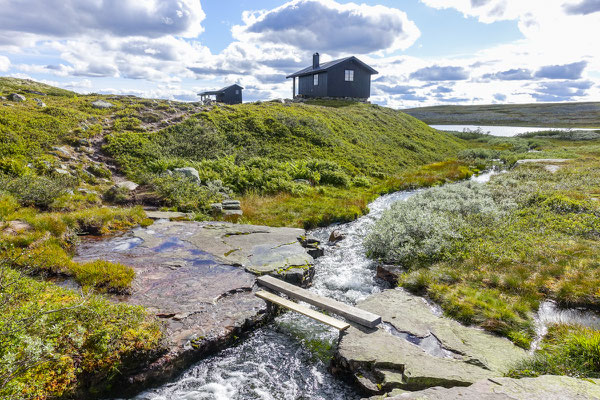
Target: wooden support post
{"points": [[351, 313], [293, 87]]}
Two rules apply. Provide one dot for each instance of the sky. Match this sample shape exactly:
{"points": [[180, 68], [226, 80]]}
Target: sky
{"points": [[427, 52]]}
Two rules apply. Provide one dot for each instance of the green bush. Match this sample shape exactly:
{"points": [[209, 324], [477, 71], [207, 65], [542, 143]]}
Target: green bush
{"points": [[421, 229], [37, 191], [182, 192]]}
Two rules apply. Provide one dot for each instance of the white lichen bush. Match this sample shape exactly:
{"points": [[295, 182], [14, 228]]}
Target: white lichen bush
{"points": [[426, 225]]}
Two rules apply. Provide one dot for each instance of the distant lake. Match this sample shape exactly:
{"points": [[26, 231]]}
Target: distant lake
{"points": [[501, 130]]}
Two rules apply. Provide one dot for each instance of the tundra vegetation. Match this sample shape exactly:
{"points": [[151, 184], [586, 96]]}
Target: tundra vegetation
{"points": [[301, 165], [488, 254], [289, 164]]}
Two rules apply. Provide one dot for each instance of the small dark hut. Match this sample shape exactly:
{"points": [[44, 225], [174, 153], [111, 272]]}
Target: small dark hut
{"points": [[228, 95], [346, 77]]}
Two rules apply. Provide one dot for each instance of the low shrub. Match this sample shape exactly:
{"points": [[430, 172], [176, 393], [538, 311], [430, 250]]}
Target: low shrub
{"points": [[37, 191], [55, 342], [8, 204], [104, 275]]}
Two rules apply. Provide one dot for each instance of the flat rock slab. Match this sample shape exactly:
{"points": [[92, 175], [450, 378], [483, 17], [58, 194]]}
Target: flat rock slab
{"points": [[414, 348], [166, 214], [194, 275], [547, 387]]}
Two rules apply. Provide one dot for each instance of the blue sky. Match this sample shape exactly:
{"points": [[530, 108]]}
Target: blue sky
{"points": [[427, 51]]}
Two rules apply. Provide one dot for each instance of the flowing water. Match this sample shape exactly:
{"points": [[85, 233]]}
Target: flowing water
{"points": [[288, 359]]}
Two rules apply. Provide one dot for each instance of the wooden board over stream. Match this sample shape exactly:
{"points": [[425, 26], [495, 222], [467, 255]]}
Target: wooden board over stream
{"points": [[351, 313], [309, 312]]}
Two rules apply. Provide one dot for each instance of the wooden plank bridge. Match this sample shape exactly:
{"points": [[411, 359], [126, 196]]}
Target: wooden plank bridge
{"points": [[351, 313]]}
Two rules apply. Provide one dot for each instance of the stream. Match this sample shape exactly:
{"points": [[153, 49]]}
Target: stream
{"points": [[288, 358]]}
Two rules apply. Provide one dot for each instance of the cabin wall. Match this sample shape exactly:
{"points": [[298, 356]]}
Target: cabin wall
{"points": [[338, 87], [229, 96], [307, 88]]}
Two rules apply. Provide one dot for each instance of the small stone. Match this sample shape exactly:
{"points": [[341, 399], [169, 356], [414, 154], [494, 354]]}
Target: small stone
{"points": [[233, 212], [216, 208], [16, 97], [302, 181], [190, 173], [101, 104], [231, 205], [336, 236], [40, 103], [62, 171]]}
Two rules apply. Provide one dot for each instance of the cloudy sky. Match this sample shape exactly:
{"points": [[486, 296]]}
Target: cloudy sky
{"points": [[427, 52]]}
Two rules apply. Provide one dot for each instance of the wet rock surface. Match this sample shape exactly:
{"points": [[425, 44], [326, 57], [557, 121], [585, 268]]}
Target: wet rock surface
{"points": [[547, 387], [197, 277], [415, 348]]}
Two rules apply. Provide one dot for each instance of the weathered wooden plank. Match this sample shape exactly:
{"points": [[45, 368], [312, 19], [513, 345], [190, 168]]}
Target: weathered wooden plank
{"points": [[349, 312], [336, 323]]}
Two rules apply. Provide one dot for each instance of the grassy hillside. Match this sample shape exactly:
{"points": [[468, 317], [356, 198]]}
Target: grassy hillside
{"points": [[290, 164], [567, 115]]}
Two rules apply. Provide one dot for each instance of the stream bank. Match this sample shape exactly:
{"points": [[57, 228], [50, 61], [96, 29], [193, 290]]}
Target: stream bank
{"points": [[199, 279]]}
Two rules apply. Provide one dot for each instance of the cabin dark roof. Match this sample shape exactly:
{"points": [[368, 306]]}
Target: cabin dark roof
{"points": [[325, 66], [214, 92]]}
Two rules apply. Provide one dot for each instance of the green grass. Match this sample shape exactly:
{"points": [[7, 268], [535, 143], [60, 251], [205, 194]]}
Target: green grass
{"points": [[566, 350]]}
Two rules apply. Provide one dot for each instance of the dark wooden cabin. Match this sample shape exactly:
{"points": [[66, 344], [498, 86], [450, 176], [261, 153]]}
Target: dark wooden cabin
{"points": [[228, 95], [346, 77]]}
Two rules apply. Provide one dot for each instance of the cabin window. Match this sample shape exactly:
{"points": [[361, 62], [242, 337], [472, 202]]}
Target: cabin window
{"points": [[316, 79], [237, 91], [349, 75]]}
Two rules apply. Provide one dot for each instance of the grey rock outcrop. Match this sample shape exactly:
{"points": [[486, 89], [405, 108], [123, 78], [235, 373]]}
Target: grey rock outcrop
{"points": [[415, 349], [40, 103], [16, 97], [547, 387], [101, 104], [190, 172]]}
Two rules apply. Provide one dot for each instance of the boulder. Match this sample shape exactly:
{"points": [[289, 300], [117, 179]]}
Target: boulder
{"points": [[16, 97], [336, 236], [63, 152], [40, 103], [127, 185], [61, 171], [414, 348], [101, 104], [34, 92], [190, 172], [547, 387]]}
